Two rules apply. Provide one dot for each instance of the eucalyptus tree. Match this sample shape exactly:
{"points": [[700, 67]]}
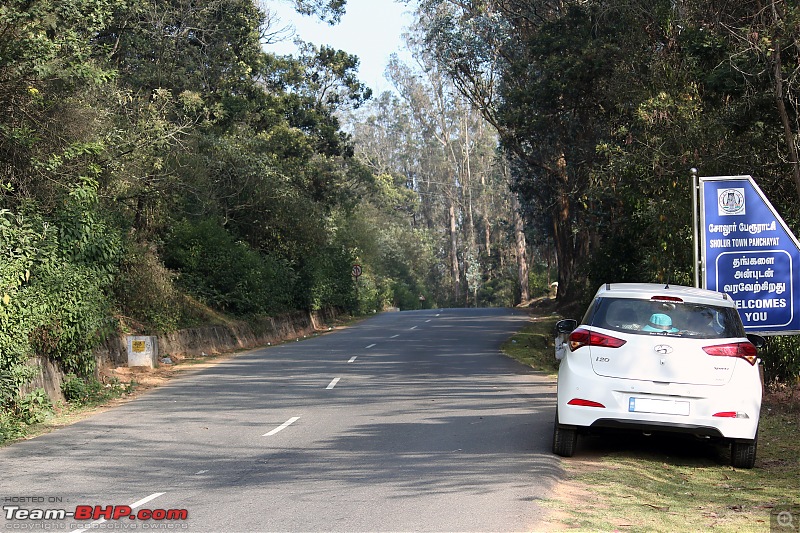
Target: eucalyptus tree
{"points": [[429, 136]]}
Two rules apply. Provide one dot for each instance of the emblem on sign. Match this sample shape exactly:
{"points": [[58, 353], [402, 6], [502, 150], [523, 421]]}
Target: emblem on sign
{"points": [[731, 202]]}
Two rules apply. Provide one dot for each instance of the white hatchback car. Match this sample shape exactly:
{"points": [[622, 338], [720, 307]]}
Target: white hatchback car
{"points": [[652, 357]]}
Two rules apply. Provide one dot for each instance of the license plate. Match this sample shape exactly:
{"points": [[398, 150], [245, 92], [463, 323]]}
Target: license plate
{"points": [[662, 407]]}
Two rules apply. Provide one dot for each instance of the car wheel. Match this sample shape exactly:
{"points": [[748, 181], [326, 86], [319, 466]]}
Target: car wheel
{"points": [[743, 454], [564, 439]]}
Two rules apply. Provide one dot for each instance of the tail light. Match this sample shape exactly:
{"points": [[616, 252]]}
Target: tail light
{"points": [[583, 337], [667, 299], [731, 414], [744, 350], [585, 403]]}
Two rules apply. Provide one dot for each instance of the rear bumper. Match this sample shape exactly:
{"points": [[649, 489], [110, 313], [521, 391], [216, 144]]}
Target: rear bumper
{"points": [[687, 408], [691, 429]]}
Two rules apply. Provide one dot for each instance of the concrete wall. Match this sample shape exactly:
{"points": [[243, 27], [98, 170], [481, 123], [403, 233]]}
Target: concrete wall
{"points": [[48, 377]]}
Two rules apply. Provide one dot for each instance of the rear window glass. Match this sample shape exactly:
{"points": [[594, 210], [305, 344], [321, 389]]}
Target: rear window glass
{"points": [[647, 317]]}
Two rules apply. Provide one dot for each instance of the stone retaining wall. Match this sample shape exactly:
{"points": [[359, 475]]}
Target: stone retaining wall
{"points": [[193, 342]]}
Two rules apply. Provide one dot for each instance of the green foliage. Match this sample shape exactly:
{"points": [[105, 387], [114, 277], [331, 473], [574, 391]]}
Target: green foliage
{"points": [[406, 296], [146, 291], [53, 302], [325, 280], [34, 407], [75, 316], [10, 426], [498, 292], [539, 279], [20, 238], [781, 357], [329, 11], [330, 77], [225, 273], [371, 295], [83, 392]]}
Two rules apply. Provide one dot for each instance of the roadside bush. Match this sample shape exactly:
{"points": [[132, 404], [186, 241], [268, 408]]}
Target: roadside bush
{"points": [[226, 274], [35, 407], [23, 241], [373, 293], [146, 293], [404, 296], [498, 292], [10, 426], [54, 277], [75, 316], [539, 280], [326, 280], [82, 392], [781, 358]]}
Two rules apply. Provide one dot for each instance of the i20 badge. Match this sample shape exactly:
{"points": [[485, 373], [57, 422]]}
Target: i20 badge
{"points": [[663, 349]]}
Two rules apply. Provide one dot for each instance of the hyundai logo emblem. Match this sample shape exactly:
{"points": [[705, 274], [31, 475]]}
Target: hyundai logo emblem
{"points": [[663, 349]]}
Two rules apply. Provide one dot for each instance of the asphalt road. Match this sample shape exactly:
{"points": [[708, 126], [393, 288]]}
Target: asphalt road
{"points": [[410, 421]]}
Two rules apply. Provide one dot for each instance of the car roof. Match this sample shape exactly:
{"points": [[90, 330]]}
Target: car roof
{"points": [[646, 291]]}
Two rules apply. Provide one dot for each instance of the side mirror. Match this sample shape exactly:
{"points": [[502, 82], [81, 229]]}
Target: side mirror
{"points": [[565, 327], [562, 331], [757, 340]]}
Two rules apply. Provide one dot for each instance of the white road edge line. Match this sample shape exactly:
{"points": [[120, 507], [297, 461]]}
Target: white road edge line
{"points": [[282, 426], [141, 502], [333, 383], [370, 346], [352, 359]]}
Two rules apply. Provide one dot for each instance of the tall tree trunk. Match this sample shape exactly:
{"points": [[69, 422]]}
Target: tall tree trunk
{"points": [[454, 254], [784, 115], [487, 235], [472, 264], [521, 249], [562, 234]]}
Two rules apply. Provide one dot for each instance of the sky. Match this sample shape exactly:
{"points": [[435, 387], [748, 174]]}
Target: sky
{"points": [[370, 29]]}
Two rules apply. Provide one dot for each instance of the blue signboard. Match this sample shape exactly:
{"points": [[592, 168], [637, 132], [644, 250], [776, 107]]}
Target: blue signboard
{"points": [[749, 253]]}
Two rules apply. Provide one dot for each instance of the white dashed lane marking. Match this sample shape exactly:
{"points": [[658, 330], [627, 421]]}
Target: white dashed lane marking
{"points": [[282, 426]]}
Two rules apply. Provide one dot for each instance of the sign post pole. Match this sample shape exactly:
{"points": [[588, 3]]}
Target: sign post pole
{"points": [[356, 273], [695, 229]]}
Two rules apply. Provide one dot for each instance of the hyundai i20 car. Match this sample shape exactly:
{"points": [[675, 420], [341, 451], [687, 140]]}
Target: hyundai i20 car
{"points": [[654, 357]]}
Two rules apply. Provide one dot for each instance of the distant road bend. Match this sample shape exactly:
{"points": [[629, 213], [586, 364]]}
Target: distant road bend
{"points": [[409, 421]]}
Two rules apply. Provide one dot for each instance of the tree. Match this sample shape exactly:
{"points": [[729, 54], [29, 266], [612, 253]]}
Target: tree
{"points": [[558, 81]]}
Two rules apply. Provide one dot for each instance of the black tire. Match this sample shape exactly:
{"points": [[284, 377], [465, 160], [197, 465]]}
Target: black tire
{"points": [[565, 439], [743, 454]]}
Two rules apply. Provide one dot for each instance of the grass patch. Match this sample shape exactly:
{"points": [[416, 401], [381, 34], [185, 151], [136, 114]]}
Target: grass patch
{"points": [[533, 345], [628, 482], [676, 484]]}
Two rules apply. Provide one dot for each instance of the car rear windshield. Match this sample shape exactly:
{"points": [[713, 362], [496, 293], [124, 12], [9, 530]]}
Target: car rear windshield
{"points": [[647, 317]]}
